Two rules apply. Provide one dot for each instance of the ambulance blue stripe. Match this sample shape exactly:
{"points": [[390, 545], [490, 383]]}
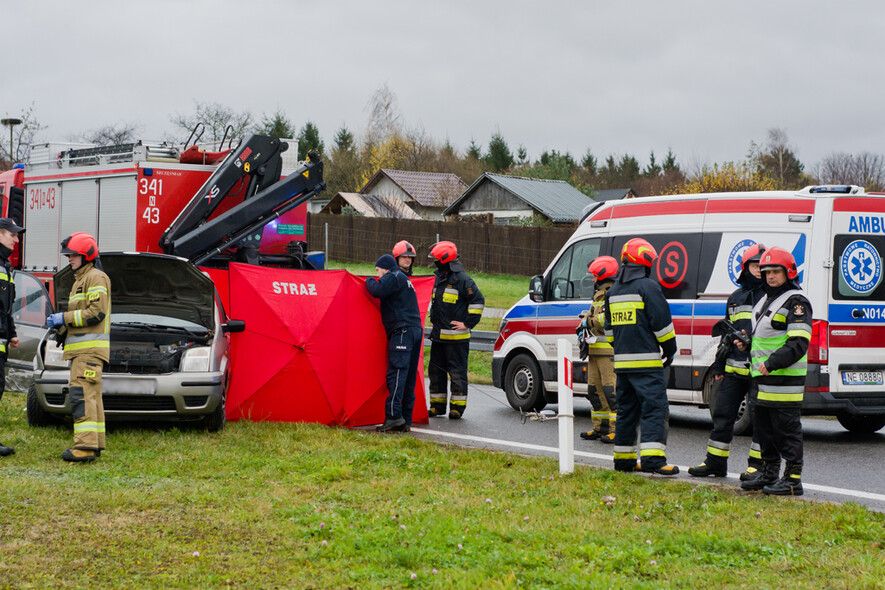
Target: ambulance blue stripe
{"points": [[843, 313]]}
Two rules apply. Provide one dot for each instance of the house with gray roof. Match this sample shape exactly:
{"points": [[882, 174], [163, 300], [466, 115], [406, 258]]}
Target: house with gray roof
{"points": [[426, 193], [369, 206], [508, 198]]}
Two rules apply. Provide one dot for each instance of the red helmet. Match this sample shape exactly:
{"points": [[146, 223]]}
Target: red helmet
{"points": [[80, 243], [444, 251], [779, 257], [603, 267], [639, 251], [752, 254], [403, 248]]}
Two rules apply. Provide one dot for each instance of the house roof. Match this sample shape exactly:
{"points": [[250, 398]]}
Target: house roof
{"points": [[371, 205], [608, 195], [429, 189], [555, 199]]}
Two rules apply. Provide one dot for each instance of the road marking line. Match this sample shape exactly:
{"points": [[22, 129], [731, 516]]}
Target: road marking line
{"points": [[554, 450]]}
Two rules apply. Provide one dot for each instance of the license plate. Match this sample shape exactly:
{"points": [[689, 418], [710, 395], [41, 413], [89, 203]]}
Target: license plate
{"points": [[862, 377]]}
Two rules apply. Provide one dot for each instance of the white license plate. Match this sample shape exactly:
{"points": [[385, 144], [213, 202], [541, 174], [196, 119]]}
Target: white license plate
{"points": [[862, 377]]}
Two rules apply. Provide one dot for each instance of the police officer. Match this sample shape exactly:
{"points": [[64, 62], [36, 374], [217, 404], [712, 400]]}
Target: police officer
{"points": [[638, 324], [456, 308], [781, 334], [732, 368], [598, 352], [9, 234], [402, 322], [86, 324], [404, 253]]}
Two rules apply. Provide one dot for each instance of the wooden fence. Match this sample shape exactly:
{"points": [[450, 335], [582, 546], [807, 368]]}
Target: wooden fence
{"points": [[482, 247]]}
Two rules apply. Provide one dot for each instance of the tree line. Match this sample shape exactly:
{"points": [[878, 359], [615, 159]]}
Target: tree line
{"points": [[351, 159]]}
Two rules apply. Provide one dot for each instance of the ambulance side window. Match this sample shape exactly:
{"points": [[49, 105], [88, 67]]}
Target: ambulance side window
{"points": [[569, 278], [858, 270]]}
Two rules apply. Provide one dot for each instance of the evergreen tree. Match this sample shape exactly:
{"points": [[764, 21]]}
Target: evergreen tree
{"points": [[589, 163], [670, 164], [653, 170], [473, 151], [308, 140], [276, 125], [499, 158]]}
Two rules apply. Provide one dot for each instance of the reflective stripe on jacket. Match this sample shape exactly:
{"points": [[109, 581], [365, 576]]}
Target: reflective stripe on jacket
{"points": [[455, 298], [88, 318]]}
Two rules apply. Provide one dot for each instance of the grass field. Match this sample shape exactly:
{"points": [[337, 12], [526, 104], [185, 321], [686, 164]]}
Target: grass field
{"points": [[264, 505]]}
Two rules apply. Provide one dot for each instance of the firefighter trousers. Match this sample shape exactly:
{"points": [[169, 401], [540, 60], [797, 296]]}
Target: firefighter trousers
{"points": [[726, 406], [403, 352], [601, 393], [86, 402], [642, 403], [448, 360], [780, 433]]}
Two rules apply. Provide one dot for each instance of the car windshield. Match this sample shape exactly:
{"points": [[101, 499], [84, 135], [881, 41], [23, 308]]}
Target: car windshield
{"points": [[135, 320]]}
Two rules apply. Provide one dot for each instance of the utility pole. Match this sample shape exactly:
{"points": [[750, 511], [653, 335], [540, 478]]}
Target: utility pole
{"points": [[11, 123]]}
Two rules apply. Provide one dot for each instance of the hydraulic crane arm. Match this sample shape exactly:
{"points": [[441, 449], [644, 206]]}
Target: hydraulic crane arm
{"points": [[257, 159], [230, 227]]}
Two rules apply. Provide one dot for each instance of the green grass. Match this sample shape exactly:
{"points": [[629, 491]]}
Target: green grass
{"points": [[303, 506]]}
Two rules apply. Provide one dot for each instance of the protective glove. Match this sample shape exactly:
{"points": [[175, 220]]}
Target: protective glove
{"points": [[55, 320], [668, 360]]}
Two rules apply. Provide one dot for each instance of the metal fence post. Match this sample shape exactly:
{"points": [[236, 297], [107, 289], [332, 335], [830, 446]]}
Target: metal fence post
{"points": [[328, 256]]}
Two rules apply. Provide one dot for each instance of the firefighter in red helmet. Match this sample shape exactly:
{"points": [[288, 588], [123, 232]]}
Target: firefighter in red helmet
{"points": [[455, 308], [85, 327], [404, 253], [598, 352], [639, 326], [731, 368], [782, 323]]}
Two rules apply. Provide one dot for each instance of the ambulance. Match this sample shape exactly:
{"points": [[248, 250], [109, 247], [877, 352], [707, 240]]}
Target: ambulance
{"points": [[835, 233]]}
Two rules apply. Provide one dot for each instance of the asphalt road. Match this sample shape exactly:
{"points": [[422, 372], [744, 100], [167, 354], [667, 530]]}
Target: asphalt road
{"points": [[839, 466]]}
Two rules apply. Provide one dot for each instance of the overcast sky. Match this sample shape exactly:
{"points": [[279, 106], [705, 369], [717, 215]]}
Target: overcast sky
{"points": [[703, 78]]}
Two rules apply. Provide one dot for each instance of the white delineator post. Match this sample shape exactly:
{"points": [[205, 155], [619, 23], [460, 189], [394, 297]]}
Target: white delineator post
{"points": [[566, 408]]}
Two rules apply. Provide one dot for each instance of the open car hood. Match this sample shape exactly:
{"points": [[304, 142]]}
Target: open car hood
{"points": [[150, 283]]}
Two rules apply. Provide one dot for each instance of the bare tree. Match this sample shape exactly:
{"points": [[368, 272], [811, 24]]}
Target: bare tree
{"points": [[23, 136], [216, 117], [118, 134], [384, 115], [865, 169]]}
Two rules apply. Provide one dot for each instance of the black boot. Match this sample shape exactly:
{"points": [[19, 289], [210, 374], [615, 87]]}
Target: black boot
{"points": [[392, 425], [765, 476], [6, 451], [789, 485], [705, 470]]}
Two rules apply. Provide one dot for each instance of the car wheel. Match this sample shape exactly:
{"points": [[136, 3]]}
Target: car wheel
{"points": [[861, 424], [215, 421], [523, 384], [37, 416], [743, 425]]}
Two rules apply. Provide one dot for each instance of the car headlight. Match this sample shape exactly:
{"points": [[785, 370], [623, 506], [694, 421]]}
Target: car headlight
{"points": [[52, 355], [196, 360]]}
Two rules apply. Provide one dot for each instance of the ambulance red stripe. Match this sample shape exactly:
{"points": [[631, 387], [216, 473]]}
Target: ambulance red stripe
{"points": [[860, 204]]}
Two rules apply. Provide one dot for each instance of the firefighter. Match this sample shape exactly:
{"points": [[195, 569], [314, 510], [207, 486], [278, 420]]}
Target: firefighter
{"points": [[732, 368], [598, 352], [402, 323], [404, 253], [9, 233], [780, 339], [638, 324], [456, 308], [86, 331]]}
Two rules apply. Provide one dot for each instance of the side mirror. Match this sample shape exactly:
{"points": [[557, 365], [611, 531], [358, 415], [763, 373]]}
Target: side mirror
{"points": [[536, 288], [233, 326]]}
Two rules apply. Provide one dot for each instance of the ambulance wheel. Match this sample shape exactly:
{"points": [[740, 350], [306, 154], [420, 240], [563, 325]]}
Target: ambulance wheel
{"points": [[37, 416], [523, 384], [743, 426], [861, 424]]}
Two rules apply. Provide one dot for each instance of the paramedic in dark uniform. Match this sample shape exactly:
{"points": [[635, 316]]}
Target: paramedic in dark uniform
{"points": [[87, 343], [455, 308], [9, 233], [732, 368], [781, 335], [596, 349], [402, 322], [639, 326]]}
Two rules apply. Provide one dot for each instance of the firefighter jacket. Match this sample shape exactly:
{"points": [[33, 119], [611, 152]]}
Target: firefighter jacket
{"points": [[399, 303], [7, 298], [88, 318], [594, 319], [455, 298], [638, 322], [739, 311], [781, 335]]}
